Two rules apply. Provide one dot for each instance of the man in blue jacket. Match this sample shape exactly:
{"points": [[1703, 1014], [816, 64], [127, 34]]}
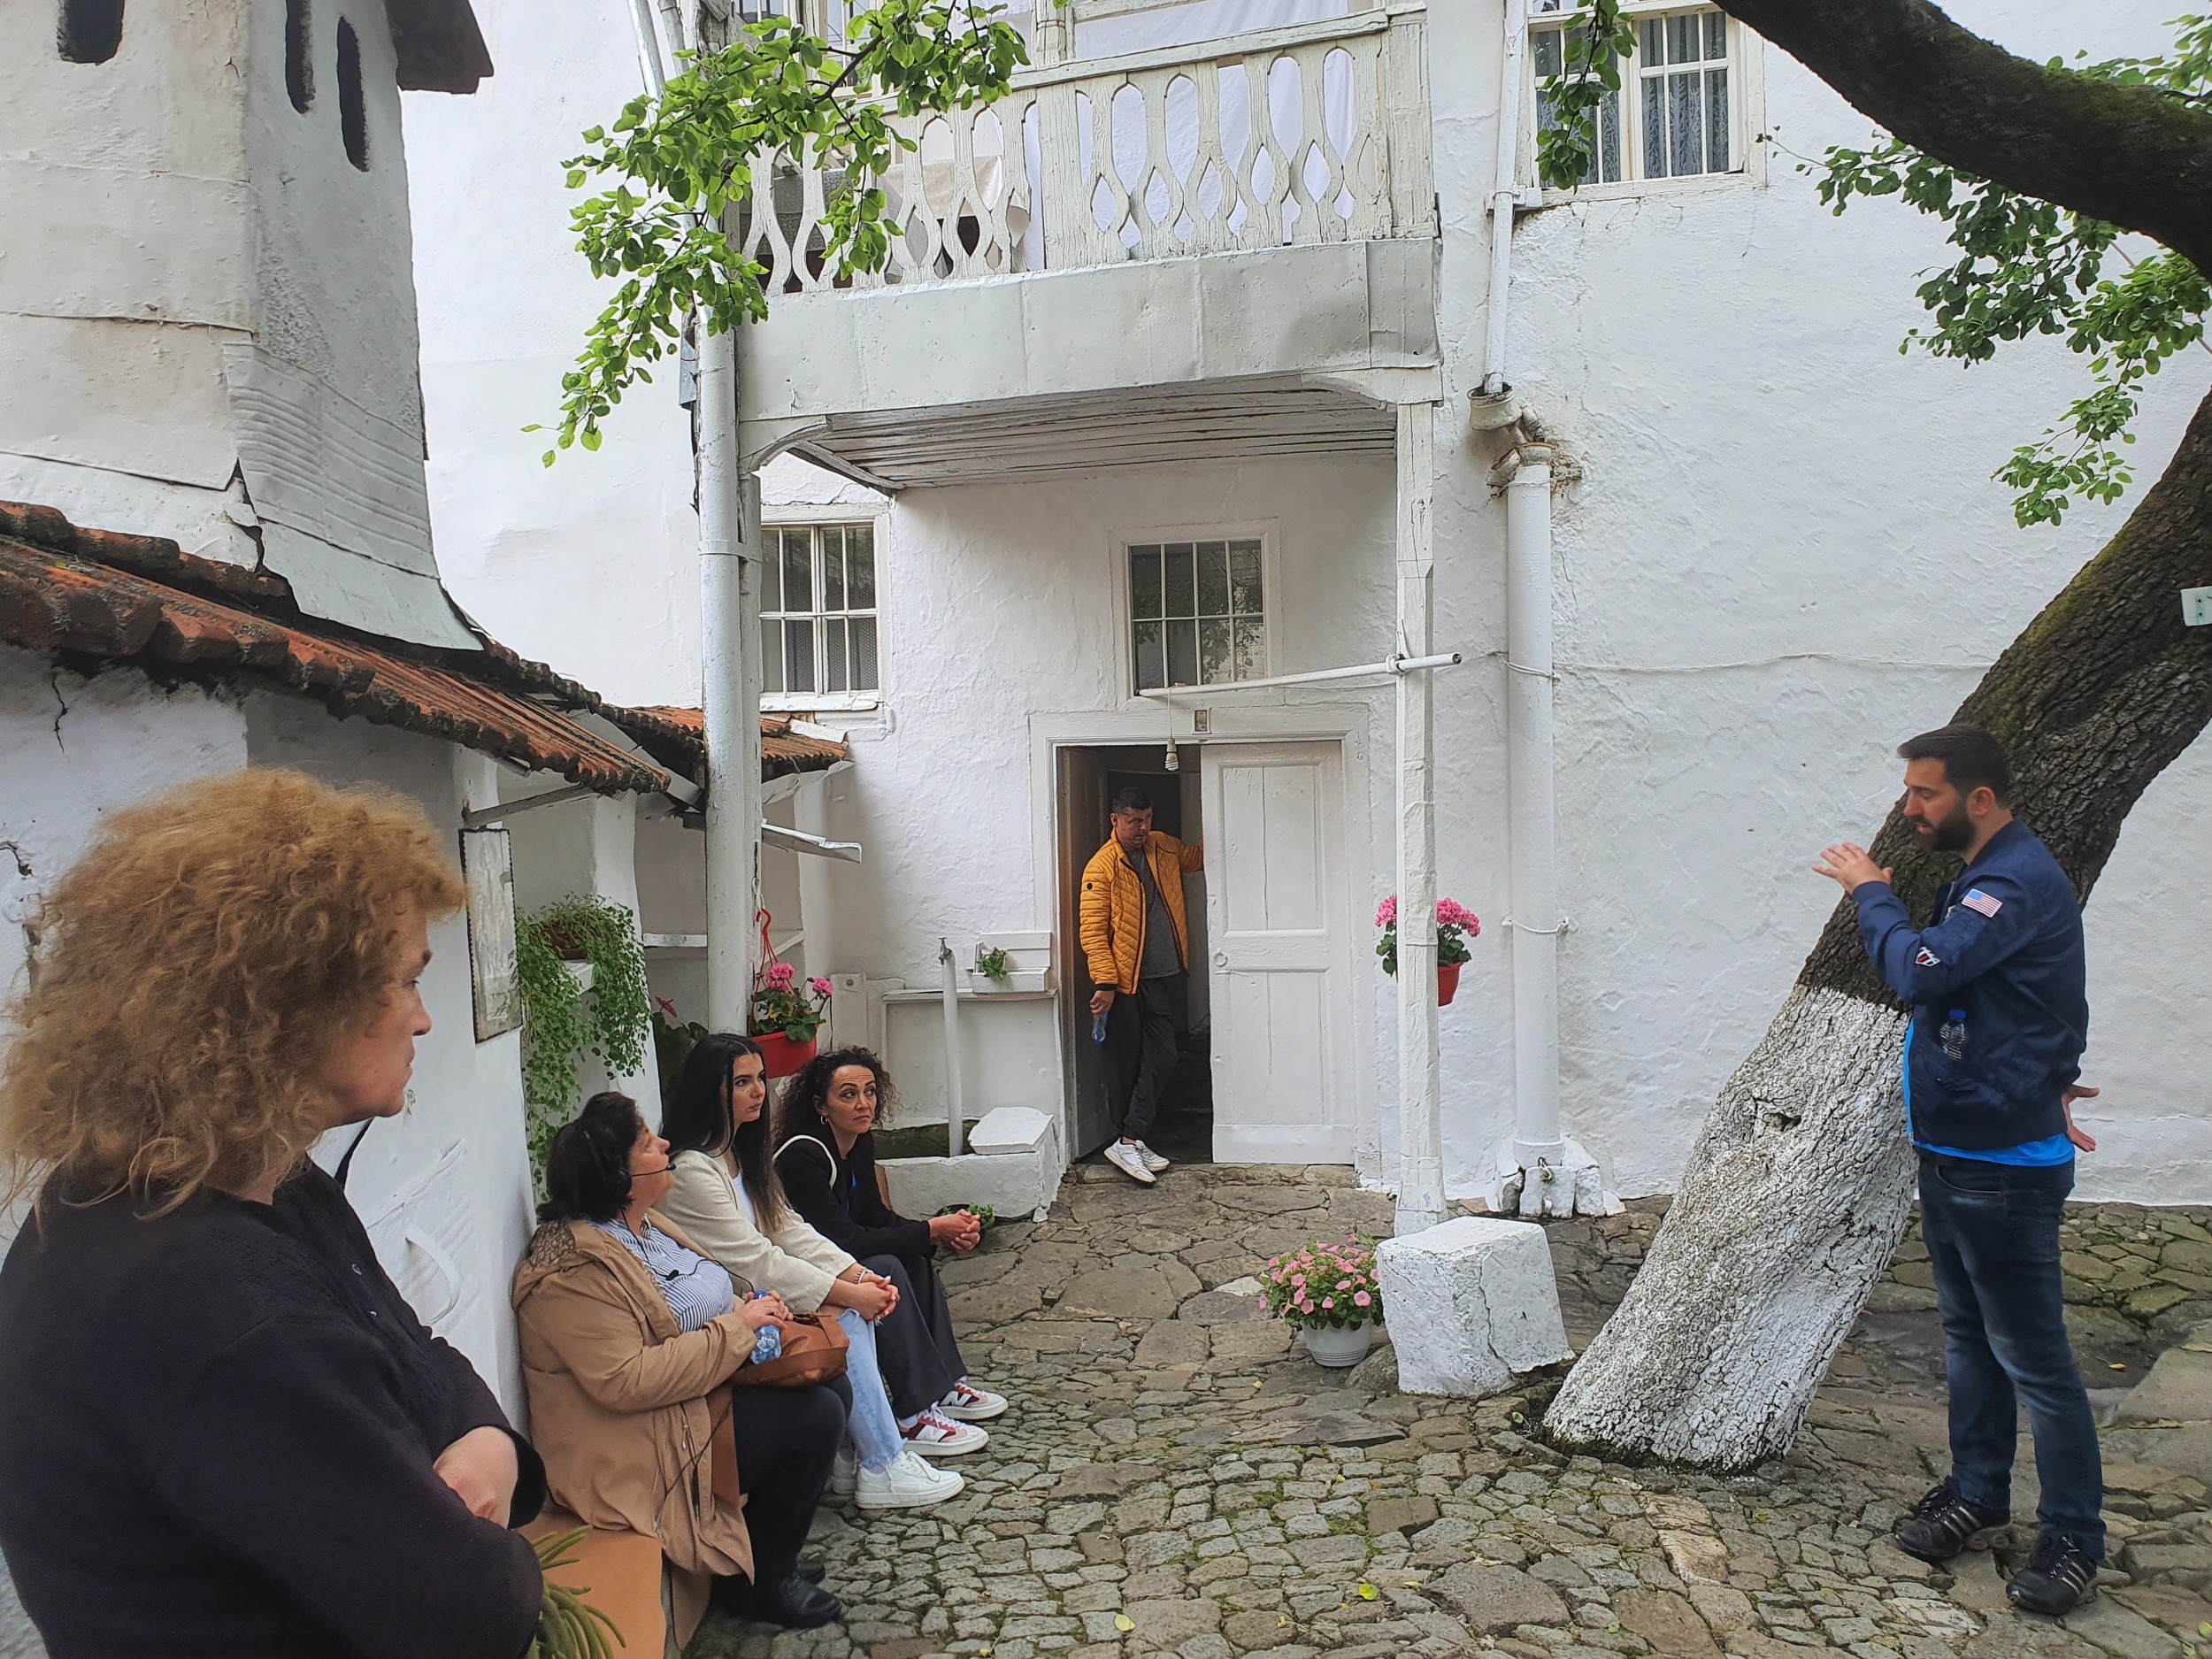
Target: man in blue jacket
{"points": [[2000, 1015]]}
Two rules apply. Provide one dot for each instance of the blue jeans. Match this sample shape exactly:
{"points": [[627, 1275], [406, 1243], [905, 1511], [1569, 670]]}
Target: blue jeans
{"points": [[1991, 1232], [876, 1435]]}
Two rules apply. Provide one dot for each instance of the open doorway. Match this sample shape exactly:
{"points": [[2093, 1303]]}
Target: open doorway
{"points": [[1088, 778]]}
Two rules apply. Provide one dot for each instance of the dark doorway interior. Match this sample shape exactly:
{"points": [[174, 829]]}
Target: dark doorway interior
{"points": [[1090, 777]]}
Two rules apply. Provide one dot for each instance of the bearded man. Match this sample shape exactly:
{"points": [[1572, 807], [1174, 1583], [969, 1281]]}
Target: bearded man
{"points": [[2000, 1016]]}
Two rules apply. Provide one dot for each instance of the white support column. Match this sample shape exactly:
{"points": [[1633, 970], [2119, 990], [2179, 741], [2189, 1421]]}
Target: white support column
{"points": [[731, 697], [1420, 1124]]}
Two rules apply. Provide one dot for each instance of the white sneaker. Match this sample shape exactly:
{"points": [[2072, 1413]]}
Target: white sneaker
{"points": [[937, 1435], [1153, 1161], [969, 1404], [1126, 1157], [844, 1471], [910, 1483]]}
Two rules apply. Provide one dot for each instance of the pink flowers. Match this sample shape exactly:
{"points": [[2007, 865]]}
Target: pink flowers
{"points": [[1455, 924], [780, 973], [1386, 912], [780, 1005], [1324, 1285], [1452, 913], [819, 986]]}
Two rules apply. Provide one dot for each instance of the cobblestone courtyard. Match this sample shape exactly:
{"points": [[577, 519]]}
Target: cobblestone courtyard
{"points": [[1176, 1477]]}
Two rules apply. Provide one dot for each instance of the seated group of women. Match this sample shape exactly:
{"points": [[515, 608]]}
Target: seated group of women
{"points": [[661, 1262]]}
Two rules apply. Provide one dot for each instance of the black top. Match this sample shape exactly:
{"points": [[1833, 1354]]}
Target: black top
{"points": [[216, 1440], [838, 1198]]}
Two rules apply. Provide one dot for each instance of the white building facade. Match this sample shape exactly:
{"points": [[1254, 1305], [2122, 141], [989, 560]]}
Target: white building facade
{"points": [[1775, 552]]}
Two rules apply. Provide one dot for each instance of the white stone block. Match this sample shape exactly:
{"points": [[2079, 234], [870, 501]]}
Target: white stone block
{"points": [[1013, 1184], [1012, 1129], [1469, 1304]]}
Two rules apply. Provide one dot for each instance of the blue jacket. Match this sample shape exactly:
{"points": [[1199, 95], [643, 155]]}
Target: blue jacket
{"points": [[1997, 989]]}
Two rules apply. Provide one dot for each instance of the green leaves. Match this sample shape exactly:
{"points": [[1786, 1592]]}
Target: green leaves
{"points": [[1596, 44], [561, 1021], [696, 153]]}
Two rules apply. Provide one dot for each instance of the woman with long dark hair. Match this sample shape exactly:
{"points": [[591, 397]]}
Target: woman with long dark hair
{"points": [[728, 1201], [826, 1157], [626, 1331]]}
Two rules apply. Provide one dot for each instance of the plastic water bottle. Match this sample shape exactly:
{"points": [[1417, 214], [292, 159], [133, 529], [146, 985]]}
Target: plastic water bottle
{"points": [[1098, 1028], [768, 1341], [1953, 1035]]}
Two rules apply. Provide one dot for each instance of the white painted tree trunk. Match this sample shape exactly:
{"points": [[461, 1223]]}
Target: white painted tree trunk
{"points": [[1792, 1206]]}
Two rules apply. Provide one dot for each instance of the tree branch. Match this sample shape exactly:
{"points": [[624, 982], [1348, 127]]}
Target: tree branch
{"points": [[2132, 156]]}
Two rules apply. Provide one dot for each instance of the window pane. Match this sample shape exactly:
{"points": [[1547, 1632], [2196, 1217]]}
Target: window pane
{"points": [[771, 656], [1213, 578], [1654, 46], [1607, 164], [1144, 581], [1550, 60], [837, 677], [798, 655], [1244, 578], [1214, 662], [1683, 46], [1716, 35], [1686, 122], [798, 575], [771, 570], [834, 568], [864, 675], [1182, 596], [1655, 125], [1182, 652], [1251, 648], [1151, 663], [860, 567], [1717, 120]]}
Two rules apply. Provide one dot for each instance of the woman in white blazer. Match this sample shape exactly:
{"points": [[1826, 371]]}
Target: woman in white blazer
{"points": [[727, 1200]]}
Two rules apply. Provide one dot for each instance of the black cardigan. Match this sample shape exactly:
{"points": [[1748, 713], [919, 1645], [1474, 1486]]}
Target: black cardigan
{"points": [[838, 1198], [208, 1446]]}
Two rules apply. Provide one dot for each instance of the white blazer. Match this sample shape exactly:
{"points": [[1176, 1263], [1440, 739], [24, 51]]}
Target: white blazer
{"points": [[793, 1260]]}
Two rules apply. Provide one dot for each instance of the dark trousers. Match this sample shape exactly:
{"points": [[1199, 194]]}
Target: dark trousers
{"points": [[914, 1346], [787, 1440], [1140, 1054], [1991, 1232]]}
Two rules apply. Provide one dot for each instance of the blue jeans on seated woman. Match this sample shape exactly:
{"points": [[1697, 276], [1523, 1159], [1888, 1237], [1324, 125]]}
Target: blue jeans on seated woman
{"points": [[1991, 1233], [875, 1429]]}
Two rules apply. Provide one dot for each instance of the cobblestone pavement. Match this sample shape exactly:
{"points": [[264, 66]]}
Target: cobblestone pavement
{"points": [[1176, 1477]]}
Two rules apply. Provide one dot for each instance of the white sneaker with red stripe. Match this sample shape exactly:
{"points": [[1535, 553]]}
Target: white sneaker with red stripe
{"points": [[967, 1403], [933, 1434]]}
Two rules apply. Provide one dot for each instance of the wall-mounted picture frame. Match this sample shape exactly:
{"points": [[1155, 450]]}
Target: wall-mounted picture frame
{"points": [[488, 865]]}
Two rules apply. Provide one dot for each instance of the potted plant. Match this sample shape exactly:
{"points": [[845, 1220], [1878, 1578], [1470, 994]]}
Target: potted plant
{"points": [[567, 1014], [1331, 1293], [991, 963], [785, 1017], [1455, 924]]}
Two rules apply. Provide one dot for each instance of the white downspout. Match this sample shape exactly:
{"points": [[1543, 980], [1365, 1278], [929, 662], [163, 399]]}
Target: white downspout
{"points": [[1420, 1112], [1504, 191], [955, 1110]]}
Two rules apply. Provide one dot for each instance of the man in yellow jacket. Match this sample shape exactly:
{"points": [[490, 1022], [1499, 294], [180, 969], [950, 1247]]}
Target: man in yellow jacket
{"points": [[1138, 944]]}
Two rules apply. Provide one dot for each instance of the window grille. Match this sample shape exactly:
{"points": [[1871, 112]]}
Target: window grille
{"points": [[818, 612], [1679, 118], [1197, 613]]}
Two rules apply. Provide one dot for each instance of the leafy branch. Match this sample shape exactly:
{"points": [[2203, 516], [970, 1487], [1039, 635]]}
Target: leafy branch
{"points": [[1596, 44], [675, 166]]}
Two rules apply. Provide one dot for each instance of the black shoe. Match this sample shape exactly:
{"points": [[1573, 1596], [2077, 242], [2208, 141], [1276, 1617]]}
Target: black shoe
{"points": [[794, 1603], [2060, 1576], [1942, 1524], [810, 1571]]}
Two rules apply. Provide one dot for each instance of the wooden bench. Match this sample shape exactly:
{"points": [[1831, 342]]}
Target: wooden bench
{"points": [[622, 1573]]}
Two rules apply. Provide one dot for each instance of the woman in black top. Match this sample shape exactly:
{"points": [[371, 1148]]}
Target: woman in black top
{"points": [[826, 1159], [222, 1430]]}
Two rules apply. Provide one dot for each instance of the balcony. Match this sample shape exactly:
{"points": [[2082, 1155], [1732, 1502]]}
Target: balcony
{"points": [[1117, 239]]}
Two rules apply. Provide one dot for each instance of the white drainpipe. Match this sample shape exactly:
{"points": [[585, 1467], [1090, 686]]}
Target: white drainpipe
{"points": [[1504, 190], [1420, 1113], [731, 705]]}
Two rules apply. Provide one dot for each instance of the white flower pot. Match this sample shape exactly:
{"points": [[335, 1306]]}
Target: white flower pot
{"points": [[1337, 1346]]}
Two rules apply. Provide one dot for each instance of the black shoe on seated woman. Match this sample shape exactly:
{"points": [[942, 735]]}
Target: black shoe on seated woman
{"points": [[790, 1601], [810, 1571]]}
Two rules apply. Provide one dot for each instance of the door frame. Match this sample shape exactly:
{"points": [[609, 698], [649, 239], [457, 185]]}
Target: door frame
{"points": [[1352, 727]]}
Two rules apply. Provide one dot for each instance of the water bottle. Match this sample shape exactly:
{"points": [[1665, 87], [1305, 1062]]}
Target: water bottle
{"points": [[1953, 1035], [1098, 1028], [768, 1340]]}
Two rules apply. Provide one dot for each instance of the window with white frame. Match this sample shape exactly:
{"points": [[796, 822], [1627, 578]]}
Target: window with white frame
{"points": [[1197, 613], [818, 613], [1682, 112]]}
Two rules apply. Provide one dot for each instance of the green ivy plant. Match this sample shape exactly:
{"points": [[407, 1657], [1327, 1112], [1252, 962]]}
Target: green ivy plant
{"points": [[2024, 265], [992, 964], [562, 1022], [673, 1043], [673, 167]]}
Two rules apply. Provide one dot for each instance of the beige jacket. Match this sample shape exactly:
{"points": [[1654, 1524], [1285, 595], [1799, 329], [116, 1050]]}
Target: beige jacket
{"points": [[791, 1259], [617, 1401]]}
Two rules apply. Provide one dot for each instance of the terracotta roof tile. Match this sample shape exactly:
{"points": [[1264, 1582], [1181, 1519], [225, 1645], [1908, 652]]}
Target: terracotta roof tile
{"points": [[781, 748], [104, 598]]}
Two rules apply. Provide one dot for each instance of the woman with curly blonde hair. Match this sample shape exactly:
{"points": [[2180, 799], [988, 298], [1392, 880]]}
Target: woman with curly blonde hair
{"points": [[222, 1430]]}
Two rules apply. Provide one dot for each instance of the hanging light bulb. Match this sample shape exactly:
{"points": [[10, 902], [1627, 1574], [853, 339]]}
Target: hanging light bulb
{"points": [[1174, 761]]}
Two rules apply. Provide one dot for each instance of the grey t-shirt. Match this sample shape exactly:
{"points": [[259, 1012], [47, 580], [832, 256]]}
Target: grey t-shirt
{"points": [[1162, 958]]}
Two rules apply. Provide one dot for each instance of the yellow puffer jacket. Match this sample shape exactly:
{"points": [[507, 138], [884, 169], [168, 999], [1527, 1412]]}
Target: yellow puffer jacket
{"points": [[1112, 907]]}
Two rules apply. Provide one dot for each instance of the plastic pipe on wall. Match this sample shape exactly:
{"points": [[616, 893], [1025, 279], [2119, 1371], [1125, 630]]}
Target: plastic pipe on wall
{"points": [[1505, 188], [1420, 1110], [955, 1108], [1530, 782]]}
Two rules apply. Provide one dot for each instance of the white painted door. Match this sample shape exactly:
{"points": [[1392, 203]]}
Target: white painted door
{"points": [[1275, 912]]}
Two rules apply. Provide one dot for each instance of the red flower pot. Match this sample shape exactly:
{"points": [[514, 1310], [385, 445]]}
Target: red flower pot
{"points": [[782, 1057], [1447, 983]]}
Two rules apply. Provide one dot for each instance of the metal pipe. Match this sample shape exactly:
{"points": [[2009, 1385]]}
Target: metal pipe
{"points": [[1420, 1084], [733, 810], [1364, 670], [476, 818], [1530, 782], [1505, 190], [648, 46], [955, 1123]]}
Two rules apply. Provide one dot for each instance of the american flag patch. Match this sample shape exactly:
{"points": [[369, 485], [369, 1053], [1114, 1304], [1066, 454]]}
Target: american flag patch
{"points": [[1978, 900]]}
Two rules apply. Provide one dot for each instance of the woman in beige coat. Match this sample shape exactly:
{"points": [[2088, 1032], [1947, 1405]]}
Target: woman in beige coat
{"points": [[625, 1330]]}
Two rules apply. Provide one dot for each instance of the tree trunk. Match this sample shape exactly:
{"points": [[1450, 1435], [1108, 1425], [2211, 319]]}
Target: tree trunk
{"points": [[1797, 1190]]}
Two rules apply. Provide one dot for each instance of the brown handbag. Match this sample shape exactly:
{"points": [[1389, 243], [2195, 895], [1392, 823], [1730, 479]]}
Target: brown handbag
{"points": [[813, 1352]]}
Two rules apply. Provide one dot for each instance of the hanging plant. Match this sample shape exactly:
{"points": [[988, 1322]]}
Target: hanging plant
{"points": [[561, 1021], [1455, 924]]}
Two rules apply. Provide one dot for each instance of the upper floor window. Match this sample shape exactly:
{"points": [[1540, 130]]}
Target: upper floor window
{"points": [[90, 31], [1197, 614], [353, 108], [817, 615], [1681, 112]]}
